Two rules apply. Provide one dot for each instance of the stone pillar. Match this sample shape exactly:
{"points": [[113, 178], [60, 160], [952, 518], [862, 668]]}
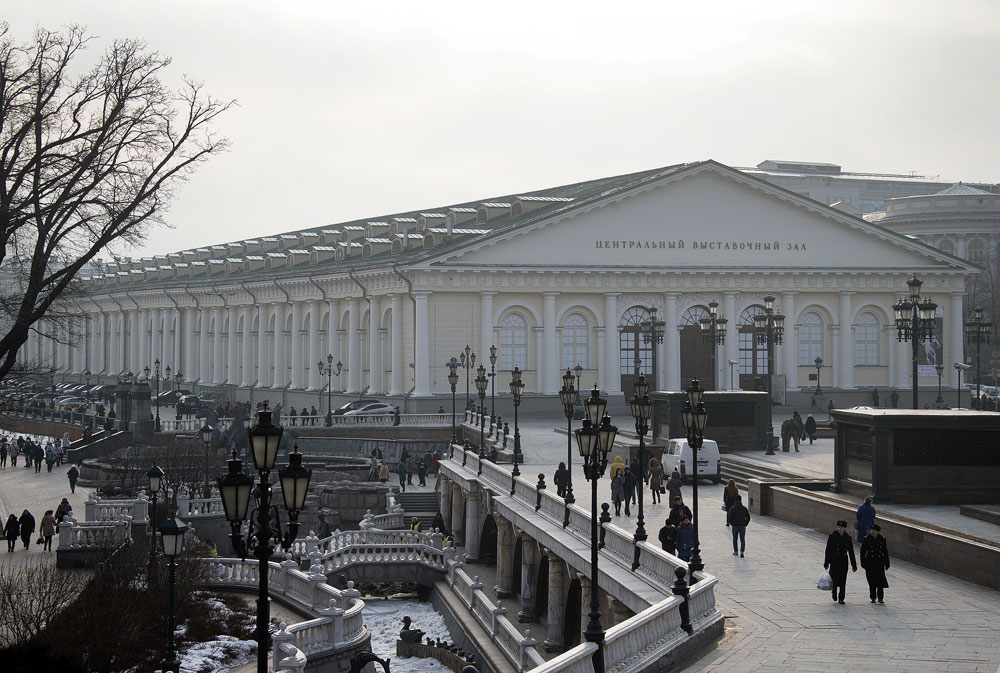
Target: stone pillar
{"points": [[333, 336], [731, 349], [540, 371], [550, 358], [263, 348], [672, 343], [505, 558], [315, 352], [472, 522], [156, 337], [176, 326], [585, 586], [602, 371], [189, 346], [396, 347], [619, 612], [835, 350], [555, 602], [247, 379], [133, 337], [233, 359], [375, 368], [444, 499], [458, 514], [529, 571], [114, 344], [955, 350], [788, 351], [145, 341], [485, 326], [280, 350], [218, 351], [903, 354], [295, 345], [353, 346], [422, 372], [613, 382], [845, 355], [204, 372]]}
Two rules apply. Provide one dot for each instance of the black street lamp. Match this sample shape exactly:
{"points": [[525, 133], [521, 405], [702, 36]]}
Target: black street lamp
{"points": [[914, 323], [960, 367], [206, 437], [977, 333], [819, 367], [940, 373], [172, 536], [578, 412], [769, 328], [594, 440], [166, 376], [713, 332], [453, 382], [156, 371], [493, 383], [155, 477], [86, 374], [481, 382], [694, 418], [265, 531], [329, 371], [178, 380], [567, 395], [468, 360], [516, 390], [642, 409], [652, 333]]}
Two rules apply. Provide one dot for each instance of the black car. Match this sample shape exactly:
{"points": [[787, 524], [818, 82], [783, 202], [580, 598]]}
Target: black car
{"points": [[189, 404], [169, 397], [352, 406]]}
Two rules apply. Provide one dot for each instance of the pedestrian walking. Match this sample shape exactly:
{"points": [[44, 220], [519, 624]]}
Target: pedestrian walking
{"points": [[3, 456], [15, 451], [618, 492], [674, 487], [559, 478], [685, 539], [636, 476], [864, 519], [372, 469], [875, 561], [421, 472], [383, 472], [738, 517], [729, 497], [50, 457], [291, 416], [312, 414], [894, 398], [679, 510], [439, 524], [63, 509], [415, 525], [39, 457], [629, 482], [875, 399], [668, 537], [47, 528], [26, 525], [800, 432], [10, 531], [401, 471], [787, 433], [617, 467], [410, 469], [655, 479], [811, 428], [839, 548]]}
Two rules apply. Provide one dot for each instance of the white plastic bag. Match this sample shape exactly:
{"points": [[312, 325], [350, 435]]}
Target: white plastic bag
{"points": [[825, 582]]}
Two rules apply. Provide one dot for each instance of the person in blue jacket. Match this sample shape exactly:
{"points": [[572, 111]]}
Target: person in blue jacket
{"points": [[865, 518]]}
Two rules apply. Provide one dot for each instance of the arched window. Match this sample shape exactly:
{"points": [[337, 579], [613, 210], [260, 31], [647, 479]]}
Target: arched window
{"points": [[634, 351], [753, 356], [867, 338], [947, 245], [575, 341], [693, 316], [810, 339], [513, 342], [976, 251]]}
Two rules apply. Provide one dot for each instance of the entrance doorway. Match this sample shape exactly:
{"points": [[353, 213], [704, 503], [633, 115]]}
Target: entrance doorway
{"points": [[752, 356], [696, 355], [635, 355]]}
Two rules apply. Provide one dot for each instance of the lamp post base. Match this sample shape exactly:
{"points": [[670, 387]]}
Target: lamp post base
{"points": [[770, 442]]}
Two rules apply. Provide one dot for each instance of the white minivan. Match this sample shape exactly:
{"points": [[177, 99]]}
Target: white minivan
{"points": [[677, 455]]}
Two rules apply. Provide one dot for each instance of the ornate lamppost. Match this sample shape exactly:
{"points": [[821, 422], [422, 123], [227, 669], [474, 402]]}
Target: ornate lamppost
{"points": [[156, 371], [819, 367], [769, 328], [977, 333], [578, 412], [166, 377], [940, 372], [86, 374], [642, 409], [567, 395], [172, 536], [453, 382], [594, 440], [694, 418], [481, 382], [468, 360], [206, 437], [155, 478], [329, 370], [493, 383], [652, 333], [265, 531], [178, 380], [516, 390], [713, 332], [914, 323]]}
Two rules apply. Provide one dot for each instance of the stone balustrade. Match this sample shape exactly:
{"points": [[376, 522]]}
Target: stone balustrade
{"points": [[99, 509], [94, 535]]}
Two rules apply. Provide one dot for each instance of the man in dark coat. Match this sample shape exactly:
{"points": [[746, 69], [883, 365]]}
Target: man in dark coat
{"points": [[875, 561], [839, 546], [668, 537], [26, 526], [630, 486], [559, 479], [679, 510]]}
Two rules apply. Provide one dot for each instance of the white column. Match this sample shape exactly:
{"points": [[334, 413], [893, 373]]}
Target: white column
{"points": [[485, 326], [177, 350], [955, 347], [539, 361], [422, 374], [315, 381], [114, 344], [295, 346], [280, 350], [396, 347], [834, 351], [232, 356], [904, 361], [353, 345], [613, 382], [190, 347], [98, 364], [218, 351], [145, 340], [672, 345], [845, 355], [599, 361], [550, 361], [789, 348], [333, 346], [155, 337], [247, 378], [263, 347], [204, 374], [135, 330], [375, 368], [731, 349]]}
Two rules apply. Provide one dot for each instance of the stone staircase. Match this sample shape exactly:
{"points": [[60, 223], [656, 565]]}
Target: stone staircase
{"points": [[739, 469], [423, 505]]}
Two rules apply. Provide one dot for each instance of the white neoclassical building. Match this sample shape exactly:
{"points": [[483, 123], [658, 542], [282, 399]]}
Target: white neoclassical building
{"points": [[555, 278]]}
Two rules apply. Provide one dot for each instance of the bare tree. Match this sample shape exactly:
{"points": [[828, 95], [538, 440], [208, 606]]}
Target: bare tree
{"points": [[30, 596], [86, 160]]}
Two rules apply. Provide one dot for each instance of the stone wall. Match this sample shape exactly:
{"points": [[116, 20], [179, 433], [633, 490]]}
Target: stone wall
{"points": [[351, 499]]}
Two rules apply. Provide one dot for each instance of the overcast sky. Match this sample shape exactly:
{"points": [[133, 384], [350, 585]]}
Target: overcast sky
{"points": [[351, 110]]}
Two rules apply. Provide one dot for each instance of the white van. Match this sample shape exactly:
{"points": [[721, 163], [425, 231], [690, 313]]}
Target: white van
{"points": [[677, 455]]}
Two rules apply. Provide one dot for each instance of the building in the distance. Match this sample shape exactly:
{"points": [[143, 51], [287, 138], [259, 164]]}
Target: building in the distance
{"points": [[555, 278]]}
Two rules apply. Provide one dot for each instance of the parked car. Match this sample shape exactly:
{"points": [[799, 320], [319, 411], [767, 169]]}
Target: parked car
{"points": [[678, 456], [169, 397], [105, 391], [189, 404], [353, 406], [71, 403], [373, 409]]}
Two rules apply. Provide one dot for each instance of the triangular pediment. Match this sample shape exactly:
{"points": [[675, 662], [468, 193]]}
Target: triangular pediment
{"points": [[707, 217]]}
